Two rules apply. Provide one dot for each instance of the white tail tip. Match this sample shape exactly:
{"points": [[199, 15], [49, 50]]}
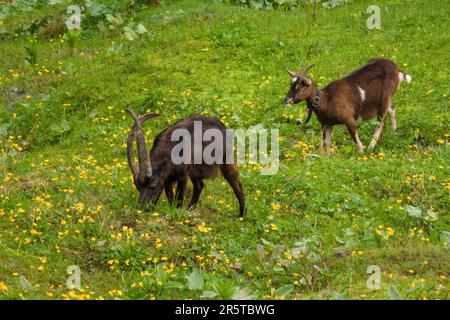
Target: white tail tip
{"points": [[408, 78], [405, 77]]}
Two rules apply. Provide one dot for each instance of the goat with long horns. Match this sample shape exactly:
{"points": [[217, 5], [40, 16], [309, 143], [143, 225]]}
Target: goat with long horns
{"points": [[157, 171]]}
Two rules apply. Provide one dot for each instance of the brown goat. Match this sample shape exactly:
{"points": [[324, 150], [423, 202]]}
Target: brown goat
{"points": [[157, 170], [363, 94]]}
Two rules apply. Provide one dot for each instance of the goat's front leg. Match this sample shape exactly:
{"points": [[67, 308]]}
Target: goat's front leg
{"points": [[181, 188], [169, 191], [326, 138], [306, 116], [391, 112], [354, 133], [386, 107]]}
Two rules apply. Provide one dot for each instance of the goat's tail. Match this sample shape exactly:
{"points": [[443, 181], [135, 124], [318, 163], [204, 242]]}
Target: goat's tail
{"points": [[404, 77]]}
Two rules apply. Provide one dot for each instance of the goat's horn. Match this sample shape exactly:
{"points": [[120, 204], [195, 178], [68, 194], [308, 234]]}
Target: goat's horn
{"points": [[130, 157], [145, 166], [308, 68], [300, 65], [292, 74]]}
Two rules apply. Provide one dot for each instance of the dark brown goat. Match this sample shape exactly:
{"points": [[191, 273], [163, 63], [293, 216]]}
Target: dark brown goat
{"points": [[363, 94], [157, 170]]}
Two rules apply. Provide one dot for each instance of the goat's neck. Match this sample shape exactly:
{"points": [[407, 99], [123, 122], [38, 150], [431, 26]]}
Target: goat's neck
{"points": [[310, 100]]}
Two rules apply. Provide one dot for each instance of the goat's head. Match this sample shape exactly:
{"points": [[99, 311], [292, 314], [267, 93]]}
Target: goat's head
{"points": [[301, 86], [148, 178]]}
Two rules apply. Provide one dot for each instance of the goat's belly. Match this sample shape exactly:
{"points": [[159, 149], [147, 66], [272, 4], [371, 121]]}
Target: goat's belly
{"points": [[204, 171], [367, 113]]}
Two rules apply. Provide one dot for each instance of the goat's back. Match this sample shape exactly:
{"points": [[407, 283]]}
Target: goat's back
{"points": [[363, 93], [376, 72], [206, 122], [163, 145]]}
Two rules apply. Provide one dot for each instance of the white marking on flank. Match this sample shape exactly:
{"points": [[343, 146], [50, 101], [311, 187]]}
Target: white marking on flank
{"points": [[362, 94]]}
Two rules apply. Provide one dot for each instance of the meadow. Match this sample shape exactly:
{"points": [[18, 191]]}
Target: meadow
{"points": [[310, 232]]}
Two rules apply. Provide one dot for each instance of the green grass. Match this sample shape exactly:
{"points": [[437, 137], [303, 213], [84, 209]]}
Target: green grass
{"points": [[310, 231]]}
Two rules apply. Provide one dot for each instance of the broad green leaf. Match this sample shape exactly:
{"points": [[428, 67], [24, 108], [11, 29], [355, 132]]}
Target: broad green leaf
{"points": [[4, 130], [413, 211], [53, 2], [243, 294], [65, 125], [195, 280], [160, 274], [116, 20], [129, 33], [56, 128], [338, 295], [175, 284], [25, 284], [284, 291], [95, 9], [217, 255], [140, 29], [209, 294], [394, 294]]}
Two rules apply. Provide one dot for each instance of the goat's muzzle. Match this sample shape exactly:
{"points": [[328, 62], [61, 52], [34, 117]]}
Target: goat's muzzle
{"points": [[288, 101]]}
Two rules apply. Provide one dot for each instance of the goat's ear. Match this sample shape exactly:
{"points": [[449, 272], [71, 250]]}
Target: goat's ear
{"points": [[307, 81], [292, 74]]}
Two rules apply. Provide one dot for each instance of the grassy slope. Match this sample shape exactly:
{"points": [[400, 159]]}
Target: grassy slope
{"points": [[229, 62]]}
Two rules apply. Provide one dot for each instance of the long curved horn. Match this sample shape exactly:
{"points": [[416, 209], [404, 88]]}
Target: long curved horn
{"points": [[292, 74], [130, 156], [308, 68], [145, 166]]}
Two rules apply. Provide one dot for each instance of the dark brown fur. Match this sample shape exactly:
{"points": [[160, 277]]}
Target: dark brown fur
{"points": [[165, 173]]}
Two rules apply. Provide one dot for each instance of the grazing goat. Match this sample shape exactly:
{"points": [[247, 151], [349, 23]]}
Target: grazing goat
{"points": [[157, 170], [363, 94]]}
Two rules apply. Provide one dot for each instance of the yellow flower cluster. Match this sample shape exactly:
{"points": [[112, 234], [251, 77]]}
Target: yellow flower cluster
{"points": [[385, 232], [203, 228], [3, 288]]}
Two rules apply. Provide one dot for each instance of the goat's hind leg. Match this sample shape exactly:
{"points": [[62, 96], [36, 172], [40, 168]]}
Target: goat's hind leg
{"points": [[198, 187], [376, 135], [232, 176], [379, 129], [391, 112]]}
